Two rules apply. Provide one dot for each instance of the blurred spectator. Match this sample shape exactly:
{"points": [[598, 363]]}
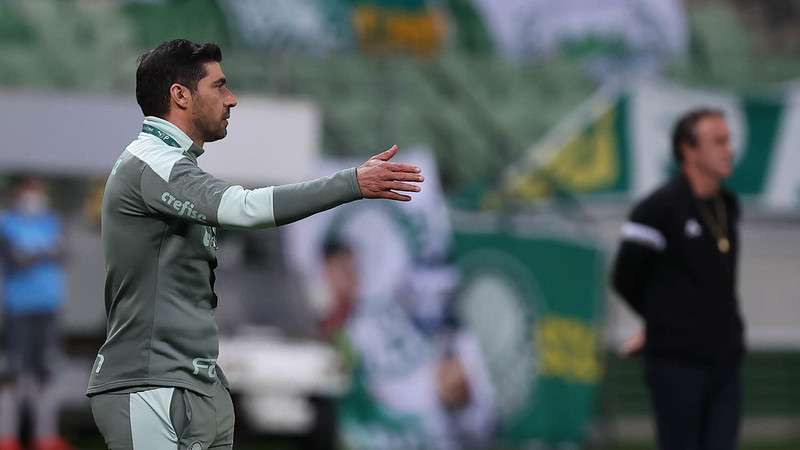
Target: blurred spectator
{"points": [[463, 385], [676, 268], [34, 280], [461, 413], [340, 273]]}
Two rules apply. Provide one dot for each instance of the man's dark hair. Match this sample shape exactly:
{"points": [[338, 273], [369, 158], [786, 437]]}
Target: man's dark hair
{"points": [[685, 132], [178, 61]]}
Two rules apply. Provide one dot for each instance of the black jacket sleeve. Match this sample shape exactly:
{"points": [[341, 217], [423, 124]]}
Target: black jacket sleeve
{"points": [[643, 240]]}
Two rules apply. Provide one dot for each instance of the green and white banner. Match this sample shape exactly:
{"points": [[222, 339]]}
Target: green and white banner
{"points": [[528, 343], [538, 324], [618, 143], [781, 189]]}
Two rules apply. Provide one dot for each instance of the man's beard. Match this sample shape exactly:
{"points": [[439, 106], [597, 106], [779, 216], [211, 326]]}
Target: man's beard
{"points": [[211, 130]]}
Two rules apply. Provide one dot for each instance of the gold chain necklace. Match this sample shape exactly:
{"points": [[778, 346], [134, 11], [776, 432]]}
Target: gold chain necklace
{"points": [[718, 225]]}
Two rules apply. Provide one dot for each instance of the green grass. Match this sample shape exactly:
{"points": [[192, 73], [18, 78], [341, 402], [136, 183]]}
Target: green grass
{"points": [[769, 383]]}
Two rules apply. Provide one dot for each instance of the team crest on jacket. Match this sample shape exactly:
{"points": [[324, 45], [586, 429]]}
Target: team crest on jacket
{"points": [[210, 237]]}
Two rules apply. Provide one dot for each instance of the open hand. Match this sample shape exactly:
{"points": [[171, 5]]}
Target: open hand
{"points": [[379, 178], [634, 345]]}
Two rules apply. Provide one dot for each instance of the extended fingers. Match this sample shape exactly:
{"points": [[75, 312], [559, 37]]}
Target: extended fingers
{"points": [[399, 186], [394, 196], [404, 176], [399, 167]]}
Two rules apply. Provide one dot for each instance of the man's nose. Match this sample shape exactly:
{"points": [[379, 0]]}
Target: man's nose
{"points": [[232, 101]]}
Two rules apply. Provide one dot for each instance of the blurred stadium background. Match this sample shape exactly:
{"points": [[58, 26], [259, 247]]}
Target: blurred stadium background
{"points": [[538, 123]]}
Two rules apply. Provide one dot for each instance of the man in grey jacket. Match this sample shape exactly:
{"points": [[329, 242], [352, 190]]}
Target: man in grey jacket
{"points": [[155, 383]]}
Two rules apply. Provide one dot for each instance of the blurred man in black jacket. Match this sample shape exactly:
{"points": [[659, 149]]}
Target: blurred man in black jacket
{"points": [[676, 268]]}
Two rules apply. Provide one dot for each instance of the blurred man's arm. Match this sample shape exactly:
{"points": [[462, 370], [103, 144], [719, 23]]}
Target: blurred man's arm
{"points": [[19, 260], [58, 251], [643, 242], [629, 274], [5, 249]]}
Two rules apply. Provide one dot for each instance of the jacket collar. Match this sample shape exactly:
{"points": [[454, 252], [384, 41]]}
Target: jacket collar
{"points": [[682, 182], [170, 135]]}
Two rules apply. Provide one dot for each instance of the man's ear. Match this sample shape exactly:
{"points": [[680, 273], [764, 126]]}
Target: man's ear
{"points": [[686, 150], [180, 95]]}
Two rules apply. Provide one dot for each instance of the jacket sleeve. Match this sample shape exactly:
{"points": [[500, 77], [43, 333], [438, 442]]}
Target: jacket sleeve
{"points": [[642, 241], [192, 194]]}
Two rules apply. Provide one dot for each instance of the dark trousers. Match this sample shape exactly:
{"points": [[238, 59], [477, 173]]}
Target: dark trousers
{"points": [[697, 406], [31, 344]]}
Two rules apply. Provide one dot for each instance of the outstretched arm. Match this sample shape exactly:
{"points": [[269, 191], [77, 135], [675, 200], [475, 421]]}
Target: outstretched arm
{"points": [[190, 193], [375, 178]]}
